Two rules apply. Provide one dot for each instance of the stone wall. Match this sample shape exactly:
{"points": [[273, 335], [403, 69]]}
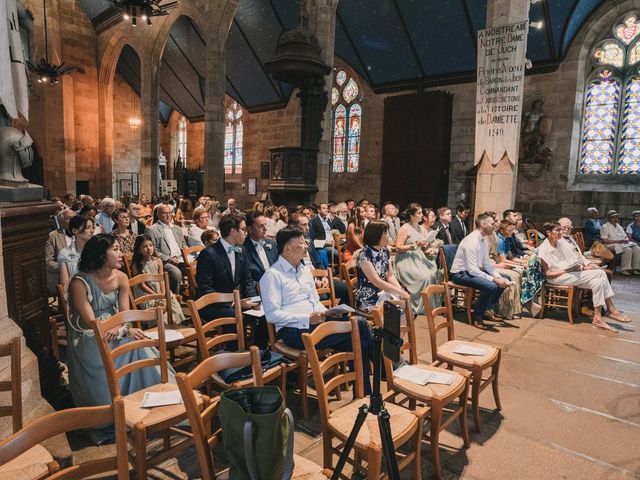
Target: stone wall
{"points": [[126, 142]]}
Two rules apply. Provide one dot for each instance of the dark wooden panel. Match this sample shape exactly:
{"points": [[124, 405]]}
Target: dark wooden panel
{"points": [[415, 152]]}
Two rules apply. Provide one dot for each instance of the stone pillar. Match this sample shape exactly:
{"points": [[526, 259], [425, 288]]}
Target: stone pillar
{"points": [[322, 24], [214, 118], [150, 143], [496, 184]]}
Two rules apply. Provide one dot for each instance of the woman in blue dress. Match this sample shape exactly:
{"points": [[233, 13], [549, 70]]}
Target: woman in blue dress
{"points": [[96, 292], [373, 268]]}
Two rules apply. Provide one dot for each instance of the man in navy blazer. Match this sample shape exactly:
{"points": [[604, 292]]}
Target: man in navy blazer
{"points": [[223, 268], [260, 252]]}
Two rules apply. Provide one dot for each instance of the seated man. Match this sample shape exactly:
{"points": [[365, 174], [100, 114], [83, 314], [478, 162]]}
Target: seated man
{"points": [[615, 239], [458, 226], [58, 240], [260, 252], [442, 225], [321, 227], [169, 242], [312, 260], [472, 267], [292, 305], [562, 268], [592, 227]]}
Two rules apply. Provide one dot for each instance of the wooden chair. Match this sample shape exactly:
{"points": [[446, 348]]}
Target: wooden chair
{"points": [[201, 419], [579, 238], [435, 396], [191, 264], [462, 296], [163, 298], [143, 423], [406, 425], [58, 323], [12, 350], [329, 291], [559, 296], [16, 451], [127, 261], [533, 237], [339, 242], [442, 317]]}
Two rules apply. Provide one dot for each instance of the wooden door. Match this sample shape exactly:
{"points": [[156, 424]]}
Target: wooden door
{"points": [[415, 152]]}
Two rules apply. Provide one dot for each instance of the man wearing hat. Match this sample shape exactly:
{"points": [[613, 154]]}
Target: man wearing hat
{"points": [[633, 229], [615, 239]]}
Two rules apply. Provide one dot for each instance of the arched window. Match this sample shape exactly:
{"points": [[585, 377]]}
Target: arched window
{"points": [[347, 123], [233, 140], [182, 140], [611, 116]]}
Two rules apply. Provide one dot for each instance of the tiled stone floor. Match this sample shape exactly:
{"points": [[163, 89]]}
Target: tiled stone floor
{"points": [[570, 397]]}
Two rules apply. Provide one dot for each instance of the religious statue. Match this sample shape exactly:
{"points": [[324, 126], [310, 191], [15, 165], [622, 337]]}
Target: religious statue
{"points": [[535, 127], [16, 153]]}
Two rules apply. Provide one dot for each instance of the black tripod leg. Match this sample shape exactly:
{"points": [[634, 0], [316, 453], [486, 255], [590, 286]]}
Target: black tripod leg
{"points": [[387, 444], [362, 415]]}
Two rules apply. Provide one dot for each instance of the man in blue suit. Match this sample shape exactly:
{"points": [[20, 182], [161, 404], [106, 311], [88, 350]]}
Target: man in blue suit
{"points": [[259, 252]]}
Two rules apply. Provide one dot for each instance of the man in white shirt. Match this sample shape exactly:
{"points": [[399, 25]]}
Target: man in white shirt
{"points": [[231, 207], [473, 268], [614, 237], [103, 219], [169, 242], [291, 302]]}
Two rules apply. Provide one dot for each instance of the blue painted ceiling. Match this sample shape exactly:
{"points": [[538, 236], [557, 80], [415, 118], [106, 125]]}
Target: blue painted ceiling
{"points": [[393, 44]]}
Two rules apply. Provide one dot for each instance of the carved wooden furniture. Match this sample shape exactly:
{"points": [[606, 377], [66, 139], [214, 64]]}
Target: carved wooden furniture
{"points": [[442, 317], [163, 298], [435, 396], [143, 423], [406, 426]]}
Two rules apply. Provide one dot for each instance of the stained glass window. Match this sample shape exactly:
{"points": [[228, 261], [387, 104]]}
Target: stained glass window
{"points": [[611, 116], [182, 141], [347, 123], [233, 140]]}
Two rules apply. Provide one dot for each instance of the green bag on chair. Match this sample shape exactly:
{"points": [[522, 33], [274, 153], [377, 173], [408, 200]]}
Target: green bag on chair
{"points": [[257, 431]]}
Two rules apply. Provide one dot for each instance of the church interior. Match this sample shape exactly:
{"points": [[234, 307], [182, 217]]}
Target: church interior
{"points": [[472, 166]]}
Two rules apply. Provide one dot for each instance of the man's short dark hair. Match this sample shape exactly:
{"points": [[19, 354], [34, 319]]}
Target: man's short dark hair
{"points": [[373, 233], [481, 218], [294, 218], [442, 210], [506, 213], [86, 209], [285, 235], [229, 221], [250, 217], [461, 207], [548, 226]]}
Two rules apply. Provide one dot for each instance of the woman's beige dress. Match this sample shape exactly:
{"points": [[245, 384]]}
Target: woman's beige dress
{"points": [[509, 303]]}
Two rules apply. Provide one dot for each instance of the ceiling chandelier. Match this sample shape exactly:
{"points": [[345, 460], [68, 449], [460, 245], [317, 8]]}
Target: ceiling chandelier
{"points": [[46, 73], [142, 9]]}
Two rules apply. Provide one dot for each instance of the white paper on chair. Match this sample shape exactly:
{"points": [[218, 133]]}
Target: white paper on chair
{"points": [[422, 377], [338, 310], [463, 349], [160, 399], [169, 335], [256, 312]]}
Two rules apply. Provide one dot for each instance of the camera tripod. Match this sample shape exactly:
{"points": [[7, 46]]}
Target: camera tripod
{"points": [[375, 407]]}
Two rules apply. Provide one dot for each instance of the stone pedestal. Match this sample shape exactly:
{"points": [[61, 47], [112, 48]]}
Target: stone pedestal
{"points": [[24, 259]]}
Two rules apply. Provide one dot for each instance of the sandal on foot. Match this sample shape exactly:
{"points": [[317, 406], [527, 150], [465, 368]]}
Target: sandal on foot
{"points": [[622, 318], [604, 326]]}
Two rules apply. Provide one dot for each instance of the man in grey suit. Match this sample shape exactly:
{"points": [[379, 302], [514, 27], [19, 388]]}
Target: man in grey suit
{"points": [[58, 239], [169, 242]]}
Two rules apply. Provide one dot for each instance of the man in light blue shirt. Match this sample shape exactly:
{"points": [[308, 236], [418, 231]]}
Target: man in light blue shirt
{"points": [[291, 302]]}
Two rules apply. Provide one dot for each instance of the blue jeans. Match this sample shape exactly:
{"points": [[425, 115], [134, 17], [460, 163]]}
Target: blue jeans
{"points": [[340, 342], [489, 292]]}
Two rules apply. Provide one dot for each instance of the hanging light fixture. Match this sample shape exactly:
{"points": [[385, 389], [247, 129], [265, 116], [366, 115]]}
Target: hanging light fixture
{"points": [[142, 10], [46, 73]]}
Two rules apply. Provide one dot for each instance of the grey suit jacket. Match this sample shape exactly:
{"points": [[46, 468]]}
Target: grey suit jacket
{"points": [[162, 246], [56, 242]]}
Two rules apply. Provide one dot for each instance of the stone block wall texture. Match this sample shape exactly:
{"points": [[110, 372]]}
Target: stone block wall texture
{"points": [[126, 142]]}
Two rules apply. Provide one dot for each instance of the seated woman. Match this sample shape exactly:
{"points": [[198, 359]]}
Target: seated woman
{"points": [[561, 268], [145, 260], [633, 229], [355, 230], [81, 230], [125, 237], [96, 292], [373, 268], [508, 305], [415, 265]]}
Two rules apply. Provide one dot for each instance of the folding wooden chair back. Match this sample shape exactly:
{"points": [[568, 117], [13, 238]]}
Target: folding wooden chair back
{"points": [[339, 243], [206, 342], [12, 350], [59, 322], [127, 260], [462, 296], [162, 297], [142, 423], [329, 291], [435, 396], [559, 296], [533, 237], [15, 449], [441, 318], [579, 238], [191, 264], [405, 425]]}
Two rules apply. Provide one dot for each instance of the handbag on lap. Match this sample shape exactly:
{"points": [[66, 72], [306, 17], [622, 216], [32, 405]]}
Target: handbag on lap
{"points": [[257, 431], [598, 250]]}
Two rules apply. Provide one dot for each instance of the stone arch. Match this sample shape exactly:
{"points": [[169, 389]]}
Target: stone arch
{"points": [[109, 59], [578, 54]]}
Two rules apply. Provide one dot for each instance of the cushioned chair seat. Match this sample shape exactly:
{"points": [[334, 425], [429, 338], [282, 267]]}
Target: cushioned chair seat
{"points": [[445, 352], [341, 422], [31, 464]]}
